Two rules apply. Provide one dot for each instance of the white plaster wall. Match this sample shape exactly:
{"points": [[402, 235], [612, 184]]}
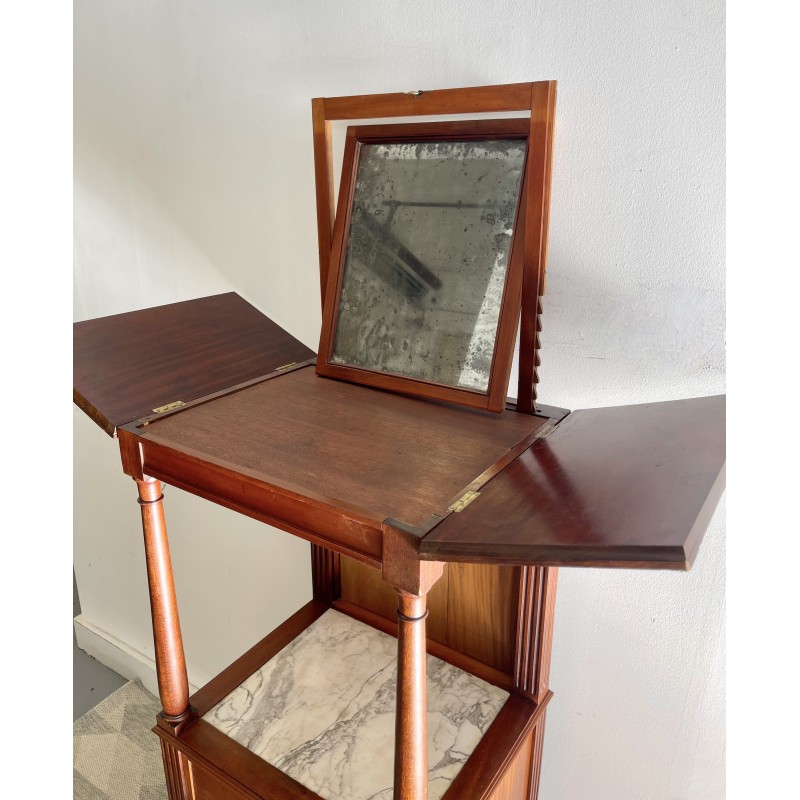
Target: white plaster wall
{"points": [[194, 175]]}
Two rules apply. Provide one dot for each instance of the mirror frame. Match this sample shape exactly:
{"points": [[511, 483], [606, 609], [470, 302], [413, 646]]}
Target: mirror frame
{"points": [[494, 399]]}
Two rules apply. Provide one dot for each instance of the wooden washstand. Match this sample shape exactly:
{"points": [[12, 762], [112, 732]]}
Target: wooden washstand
{"points": [[440, 524]]}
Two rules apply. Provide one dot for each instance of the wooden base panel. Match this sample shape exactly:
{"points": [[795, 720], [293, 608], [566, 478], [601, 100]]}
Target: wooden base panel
{"points": [[516, 777], [220, 768], [505, 764], [176, 773], [536, 760], [202, 763], [208, 786]]}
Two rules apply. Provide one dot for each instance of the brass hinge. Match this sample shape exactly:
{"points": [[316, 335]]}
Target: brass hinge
{"points": [[169, 407], [463, 501], [545, 431], [285, 366]]}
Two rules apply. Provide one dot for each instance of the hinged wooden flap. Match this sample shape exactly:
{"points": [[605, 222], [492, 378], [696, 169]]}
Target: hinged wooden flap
{"points": [[128, 366], [628, 486]]}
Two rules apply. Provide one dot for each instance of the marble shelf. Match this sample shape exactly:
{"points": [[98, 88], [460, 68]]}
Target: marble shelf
{"points": [[323, 709]]}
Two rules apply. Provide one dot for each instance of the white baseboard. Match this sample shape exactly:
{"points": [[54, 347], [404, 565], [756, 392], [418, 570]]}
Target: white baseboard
{"points": [[117, 655]]}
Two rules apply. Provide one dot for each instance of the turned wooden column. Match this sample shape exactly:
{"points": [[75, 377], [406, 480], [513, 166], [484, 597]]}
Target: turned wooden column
{"points": [[411, 720], [412, 579], [173, 685]]}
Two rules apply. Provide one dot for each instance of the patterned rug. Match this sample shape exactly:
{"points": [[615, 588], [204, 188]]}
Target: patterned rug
{"points": [[115, 755]]}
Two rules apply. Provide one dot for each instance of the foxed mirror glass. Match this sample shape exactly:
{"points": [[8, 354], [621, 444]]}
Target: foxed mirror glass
{"points": [[421, 268]]}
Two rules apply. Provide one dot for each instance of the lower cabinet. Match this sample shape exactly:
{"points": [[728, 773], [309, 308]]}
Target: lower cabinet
{"points": [[310, 713]]}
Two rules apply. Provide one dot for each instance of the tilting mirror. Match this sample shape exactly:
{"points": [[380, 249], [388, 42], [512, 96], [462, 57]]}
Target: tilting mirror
{"points": [[423, 289]]}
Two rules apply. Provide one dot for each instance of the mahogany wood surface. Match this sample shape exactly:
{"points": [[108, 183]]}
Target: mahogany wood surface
{"points": [[173, 684], [238, 770], [481, 613], [534, 642], [364, 586], [467, 100], [626, 486], [472, 609], [128, 364], [514, 783], [410, 386], [207, 785], [323, 179], [345, 445], [411, 716], [325, 574], [177, 773], [539, 170], [536, 761], [401, 566], [334, 525]]}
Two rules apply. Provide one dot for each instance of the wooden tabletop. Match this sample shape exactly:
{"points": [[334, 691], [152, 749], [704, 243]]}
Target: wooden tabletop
{"points": [[335, 462], [330, 460]]}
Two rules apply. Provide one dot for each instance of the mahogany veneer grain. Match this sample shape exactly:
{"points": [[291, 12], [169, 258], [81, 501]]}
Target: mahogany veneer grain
{"points": [[626, 486], [472, 610], [125, 365], [385, 454]]}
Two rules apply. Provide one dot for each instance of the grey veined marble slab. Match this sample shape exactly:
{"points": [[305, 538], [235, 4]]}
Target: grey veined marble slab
{"points": [[322, 711]]}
